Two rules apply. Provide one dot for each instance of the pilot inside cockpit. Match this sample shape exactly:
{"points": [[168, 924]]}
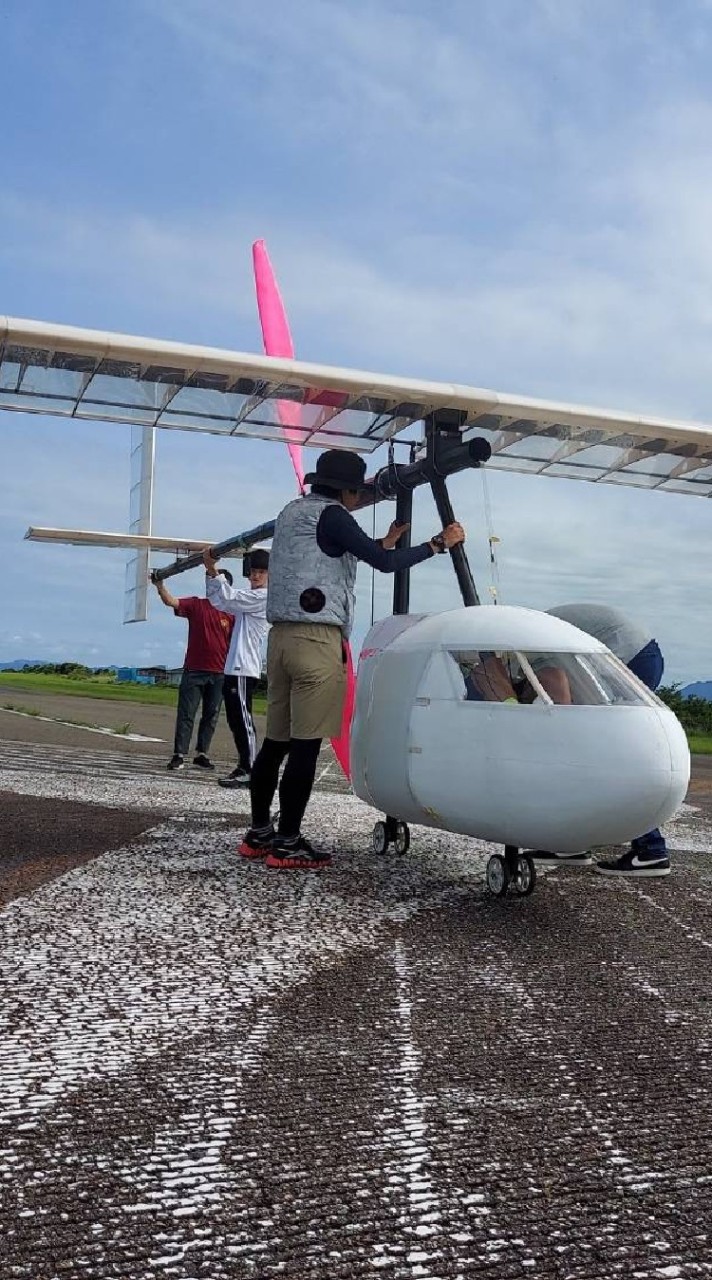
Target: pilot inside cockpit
{"points": [[491, 677], [553, 680], [486, 678]]}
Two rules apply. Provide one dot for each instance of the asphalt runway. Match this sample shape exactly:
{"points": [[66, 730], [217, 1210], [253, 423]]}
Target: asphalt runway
{"points": [[53, 713], [213, 1071]]}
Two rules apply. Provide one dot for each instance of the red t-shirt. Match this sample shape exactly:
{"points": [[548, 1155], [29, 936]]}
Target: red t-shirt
{"points": [[209, 633]]}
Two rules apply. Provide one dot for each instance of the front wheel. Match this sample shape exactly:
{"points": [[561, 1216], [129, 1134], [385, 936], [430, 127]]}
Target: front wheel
{"points": [[497, 875], [380, 838]]}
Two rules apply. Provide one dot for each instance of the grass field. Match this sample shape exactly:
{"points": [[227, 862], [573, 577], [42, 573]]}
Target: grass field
{"points": [[13, 683], [95, 687], [700, 744]]}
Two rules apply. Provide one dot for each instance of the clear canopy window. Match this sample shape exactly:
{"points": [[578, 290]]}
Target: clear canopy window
{"points": [[573, 679]]}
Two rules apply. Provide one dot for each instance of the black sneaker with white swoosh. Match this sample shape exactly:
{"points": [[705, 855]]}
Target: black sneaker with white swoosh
{"points": [[637, 864]]}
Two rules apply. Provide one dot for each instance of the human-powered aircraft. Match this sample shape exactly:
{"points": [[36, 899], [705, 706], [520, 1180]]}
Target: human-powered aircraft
{"points": [[431, 740]]}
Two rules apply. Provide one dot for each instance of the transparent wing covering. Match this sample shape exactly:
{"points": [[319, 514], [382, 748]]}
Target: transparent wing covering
{"points": [[71, 372], [563, 679], [72, 384], [568, 452]]}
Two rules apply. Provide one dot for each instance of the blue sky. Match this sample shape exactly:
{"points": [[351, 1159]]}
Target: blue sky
{"points": [[510, 193]]}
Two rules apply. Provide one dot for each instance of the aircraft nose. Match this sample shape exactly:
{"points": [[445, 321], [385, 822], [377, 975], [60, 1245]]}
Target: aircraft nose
{"points": [[678, 781], [636, 780]]}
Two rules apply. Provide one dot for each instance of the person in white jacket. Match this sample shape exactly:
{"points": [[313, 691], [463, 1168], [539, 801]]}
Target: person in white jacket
{"points": [[243, 665]]}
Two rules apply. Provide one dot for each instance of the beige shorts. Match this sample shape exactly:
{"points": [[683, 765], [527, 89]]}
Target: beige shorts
{"points": [[306, 681]]}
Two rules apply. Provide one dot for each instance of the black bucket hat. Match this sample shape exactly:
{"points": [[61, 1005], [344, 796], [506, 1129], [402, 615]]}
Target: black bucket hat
{"points": [[338, 469], [258, 559]]}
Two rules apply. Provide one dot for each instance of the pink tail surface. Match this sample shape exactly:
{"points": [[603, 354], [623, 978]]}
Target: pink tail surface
{"points": [[277, 341]]}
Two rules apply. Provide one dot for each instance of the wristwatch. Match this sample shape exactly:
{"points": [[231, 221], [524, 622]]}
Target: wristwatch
{"points": [[438, 542]]}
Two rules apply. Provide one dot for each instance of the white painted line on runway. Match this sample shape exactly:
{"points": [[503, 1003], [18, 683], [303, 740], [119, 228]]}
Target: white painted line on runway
{"points": [[72, 724]]}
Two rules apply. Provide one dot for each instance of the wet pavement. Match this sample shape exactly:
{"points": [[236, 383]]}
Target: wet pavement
{"points": [[211, 1070]]}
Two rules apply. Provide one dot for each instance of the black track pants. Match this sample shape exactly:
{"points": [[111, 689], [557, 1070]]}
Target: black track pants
{"points": [[237, 696]]}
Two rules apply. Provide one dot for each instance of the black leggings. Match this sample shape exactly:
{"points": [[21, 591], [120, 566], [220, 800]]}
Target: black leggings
{"points": [[295, 787]]}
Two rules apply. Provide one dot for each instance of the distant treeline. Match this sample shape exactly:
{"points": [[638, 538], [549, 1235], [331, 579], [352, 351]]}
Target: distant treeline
{"points": [[694, 714], [75, 670]]}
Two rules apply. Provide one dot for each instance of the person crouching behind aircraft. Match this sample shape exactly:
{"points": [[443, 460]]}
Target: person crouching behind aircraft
{"points": [[243, 665], [310, 604], [647, 856]]}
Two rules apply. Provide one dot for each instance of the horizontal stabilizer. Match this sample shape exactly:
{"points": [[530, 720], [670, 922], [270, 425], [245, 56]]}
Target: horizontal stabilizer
{"points": [[147, 542]]}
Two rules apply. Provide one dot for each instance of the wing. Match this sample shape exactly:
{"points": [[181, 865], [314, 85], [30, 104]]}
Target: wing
{"points": [[60, 370], [134, 541]]}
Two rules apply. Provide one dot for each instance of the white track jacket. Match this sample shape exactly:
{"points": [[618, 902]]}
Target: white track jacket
{"points": [[248, 607]]}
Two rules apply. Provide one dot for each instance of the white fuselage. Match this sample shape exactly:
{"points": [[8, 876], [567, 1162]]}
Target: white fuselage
{"points": [[541, 774]]}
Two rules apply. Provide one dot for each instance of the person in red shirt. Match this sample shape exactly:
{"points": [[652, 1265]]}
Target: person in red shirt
{"points": [[209, 632]]}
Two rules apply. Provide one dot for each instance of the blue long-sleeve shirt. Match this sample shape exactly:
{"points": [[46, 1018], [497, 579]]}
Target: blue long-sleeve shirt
{"points": [[338, 532]]}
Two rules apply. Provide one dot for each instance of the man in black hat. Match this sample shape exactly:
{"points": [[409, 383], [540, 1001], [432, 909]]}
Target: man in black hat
{"points": [[315, 550]]}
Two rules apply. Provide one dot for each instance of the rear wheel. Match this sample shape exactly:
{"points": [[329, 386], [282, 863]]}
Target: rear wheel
{"points": [[401, 841], [525, 875]]}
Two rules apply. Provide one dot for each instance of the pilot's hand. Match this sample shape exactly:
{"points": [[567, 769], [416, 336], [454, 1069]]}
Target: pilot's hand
{"points": [[209, 563], [453, 534], [389, 541], [152, 577]]}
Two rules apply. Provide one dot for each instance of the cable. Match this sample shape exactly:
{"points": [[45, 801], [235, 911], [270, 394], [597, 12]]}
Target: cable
{"points": [[373, 571], [492, 541]]}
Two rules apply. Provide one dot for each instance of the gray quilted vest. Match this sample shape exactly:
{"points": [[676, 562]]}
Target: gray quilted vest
{"points": [[304, 584]]}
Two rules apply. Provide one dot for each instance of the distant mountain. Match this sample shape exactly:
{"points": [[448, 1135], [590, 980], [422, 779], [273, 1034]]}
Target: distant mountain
{"points": [[701, 689]]}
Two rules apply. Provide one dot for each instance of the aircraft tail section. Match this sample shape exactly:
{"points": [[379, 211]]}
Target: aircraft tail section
{"points": [[277, 341]]}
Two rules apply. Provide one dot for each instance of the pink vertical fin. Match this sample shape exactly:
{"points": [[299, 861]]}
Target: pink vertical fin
{"points": [[277, 341]]}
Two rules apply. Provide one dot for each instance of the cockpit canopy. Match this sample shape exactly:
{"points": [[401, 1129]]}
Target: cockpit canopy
{"points": [[564, 679]]}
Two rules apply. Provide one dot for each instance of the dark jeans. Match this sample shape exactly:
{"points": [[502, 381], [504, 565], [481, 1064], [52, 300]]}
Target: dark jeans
{"points": [[237, 693], [648, 666], [197, 687]]}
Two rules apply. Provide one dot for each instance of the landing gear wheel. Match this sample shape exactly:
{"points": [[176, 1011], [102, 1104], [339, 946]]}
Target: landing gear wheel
{"points": [[525, 875], [497, 875], [380, 838], [401, 840]]}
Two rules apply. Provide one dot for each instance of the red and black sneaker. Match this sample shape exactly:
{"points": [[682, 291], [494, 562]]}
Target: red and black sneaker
{"points": [[296, 855], [256, 846]]}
